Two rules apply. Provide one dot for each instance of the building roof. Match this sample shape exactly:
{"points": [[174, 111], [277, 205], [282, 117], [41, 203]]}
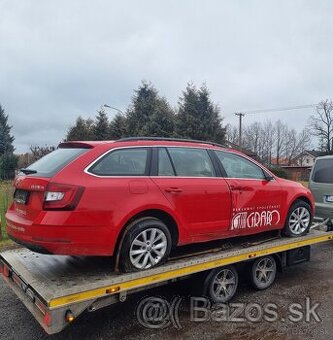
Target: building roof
{"points": [[314, 153]]}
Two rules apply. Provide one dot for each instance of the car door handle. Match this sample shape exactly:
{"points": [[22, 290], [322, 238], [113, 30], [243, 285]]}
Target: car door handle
{"points": [[173, 190], [237, 188]]}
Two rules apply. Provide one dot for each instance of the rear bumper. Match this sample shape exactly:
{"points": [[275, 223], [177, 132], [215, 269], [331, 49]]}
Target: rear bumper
{"points": [[60, 239], [33, 247]]}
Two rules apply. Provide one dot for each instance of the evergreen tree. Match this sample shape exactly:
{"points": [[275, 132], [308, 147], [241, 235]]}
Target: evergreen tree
{"points": [[101, 126], [198, 117], [149, 114], [6, 139], [8, 164], [8, 161], [118, 127], [82, 130]]}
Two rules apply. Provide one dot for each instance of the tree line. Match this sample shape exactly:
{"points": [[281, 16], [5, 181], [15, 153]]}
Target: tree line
{"points": [[149, 114], [195, 117], [273, 142], [277, 143]]}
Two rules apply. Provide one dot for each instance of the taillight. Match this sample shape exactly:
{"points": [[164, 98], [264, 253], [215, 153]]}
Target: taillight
{"points": [[62, 196], [6, 271], [47, 319]]}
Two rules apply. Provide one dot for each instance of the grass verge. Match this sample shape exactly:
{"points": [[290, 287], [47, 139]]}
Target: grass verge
{"points": [[6, 194]]}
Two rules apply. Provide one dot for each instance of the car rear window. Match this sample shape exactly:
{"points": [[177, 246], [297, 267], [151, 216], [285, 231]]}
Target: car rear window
{"points": [[323, 171], [53, 162]]}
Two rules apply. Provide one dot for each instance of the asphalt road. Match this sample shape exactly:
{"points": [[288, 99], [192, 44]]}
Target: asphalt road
{"points": [[306, 284]]}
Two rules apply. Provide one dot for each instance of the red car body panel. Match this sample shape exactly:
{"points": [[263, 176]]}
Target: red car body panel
{"points": [[203, 208]]}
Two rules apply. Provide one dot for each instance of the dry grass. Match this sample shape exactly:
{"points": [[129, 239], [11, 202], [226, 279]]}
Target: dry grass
{"points": [[6, 195]]}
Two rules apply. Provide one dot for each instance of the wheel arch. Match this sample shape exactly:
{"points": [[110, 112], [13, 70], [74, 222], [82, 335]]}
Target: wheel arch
{"points": [[301, 198], [304, 199], [162, 215]]}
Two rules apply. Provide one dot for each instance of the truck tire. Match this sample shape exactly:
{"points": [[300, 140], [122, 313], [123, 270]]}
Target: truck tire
{"points": [[299, 219], [221, 284], [262, 272], [147, 244]]}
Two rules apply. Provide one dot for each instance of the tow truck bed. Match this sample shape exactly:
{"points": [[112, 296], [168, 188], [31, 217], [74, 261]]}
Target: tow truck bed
{"points": [[56, 289]]}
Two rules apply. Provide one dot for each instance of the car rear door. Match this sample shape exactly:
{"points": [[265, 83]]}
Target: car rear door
{"points": [[201, 199], [256, 200]]}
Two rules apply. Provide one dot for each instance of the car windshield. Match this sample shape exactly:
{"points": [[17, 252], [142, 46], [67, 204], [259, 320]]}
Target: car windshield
{"points": [[323, 171], [53, 162]]}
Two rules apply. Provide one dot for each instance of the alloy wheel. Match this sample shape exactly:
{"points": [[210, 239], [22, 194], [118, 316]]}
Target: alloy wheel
{"points": [[148, 248], [299, 220], [265, 271], [224, 285]]}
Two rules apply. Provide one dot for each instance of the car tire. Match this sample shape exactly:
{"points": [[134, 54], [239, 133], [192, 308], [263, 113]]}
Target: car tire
{"points": [[299, 219], [262, 272], [221, 284], [146, 244]]}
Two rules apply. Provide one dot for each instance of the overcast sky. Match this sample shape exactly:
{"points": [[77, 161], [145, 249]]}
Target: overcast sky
{"points": [[61, 59]]}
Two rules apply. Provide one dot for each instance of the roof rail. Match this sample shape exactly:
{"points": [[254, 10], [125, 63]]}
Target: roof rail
{"points": [[128, 139]]}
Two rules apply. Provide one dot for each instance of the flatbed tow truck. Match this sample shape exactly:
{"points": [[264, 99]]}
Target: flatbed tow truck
{"points": [[57, 289]]}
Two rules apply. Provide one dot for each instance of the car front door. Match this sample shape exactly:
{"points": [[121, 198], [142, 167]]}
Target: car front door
{"points": [[201, 199], [256, 197]]}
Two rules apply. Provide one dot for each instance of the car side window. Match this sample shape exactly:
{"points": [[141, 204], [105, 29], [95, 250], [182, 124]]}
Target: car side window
{"points": [[164, 163], [191, 162], [122, 162], [239, 167]]}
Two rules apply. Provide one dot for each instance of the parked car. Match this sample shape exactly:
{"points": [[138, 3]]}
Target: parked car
{"points": [[321, 186], [138, 198]]}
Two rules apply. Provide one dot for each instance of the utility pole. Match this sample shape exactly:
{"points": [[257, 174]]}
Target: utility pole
{"points": [[240, 116]]}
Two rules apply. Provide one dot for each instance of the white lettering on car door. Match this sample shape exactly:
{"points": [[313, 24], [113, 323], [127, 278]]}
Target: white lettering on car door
{"points": [[248, 218]]}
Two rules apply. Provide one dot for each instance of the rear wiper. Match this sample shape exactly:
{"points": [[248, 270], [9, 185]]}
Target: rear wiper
{"points": [[28, 171]]}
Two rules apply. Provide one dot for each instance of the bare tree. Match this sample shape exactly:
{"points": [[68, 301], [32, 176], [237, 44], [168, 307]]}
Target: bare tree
{"points": [[321, 124], [303, 142], [252, 138], [259, 138], [232, 134], [268, 142], [280, 141], [37, 152], [272, 140], [296, 143]]}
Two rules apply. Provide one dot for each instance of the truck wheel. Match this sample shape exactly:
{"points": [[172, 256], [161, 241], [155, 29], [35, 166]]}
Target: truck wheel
{"points": [[262, 272], [221, 284], [146, 245], [330, 225], [299, 219]]}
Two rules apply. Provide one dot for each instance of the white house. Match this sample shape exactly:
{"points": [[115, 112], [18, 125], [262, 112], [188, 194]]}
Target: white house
{"points": [[307, 158]]}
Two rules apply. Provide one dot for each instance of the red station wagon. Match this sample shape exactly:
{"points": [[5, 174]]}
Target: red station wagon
{"points": [[138, 197]]}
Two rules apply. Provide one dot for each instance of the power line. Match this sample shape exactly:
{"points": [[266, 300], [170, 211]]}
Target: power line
{"points": [[278, 109]]}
